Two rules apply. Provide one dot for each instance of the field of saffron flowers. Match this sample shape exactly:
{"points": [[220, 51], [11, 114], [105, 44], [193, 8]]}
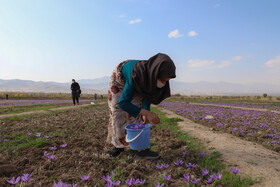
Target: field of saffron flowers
{"points": [[68, 149], [260, 126], [19, 106]]}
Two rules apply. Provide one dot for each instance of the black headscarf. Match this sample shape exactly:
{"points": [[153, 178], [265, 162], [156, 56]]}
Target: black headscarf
{"points": [[145, 74]]}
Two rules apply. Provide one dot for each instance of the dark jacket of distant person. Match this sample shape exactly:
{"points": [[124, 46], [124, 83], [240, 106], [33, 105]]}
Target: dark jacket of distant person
{"points": [[75, 87]]}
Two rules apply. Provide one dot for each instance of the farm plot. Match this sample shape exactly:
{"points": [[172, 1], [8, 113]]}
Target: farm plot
{"points": [[19, 106], [262, 127], [69, 146]]}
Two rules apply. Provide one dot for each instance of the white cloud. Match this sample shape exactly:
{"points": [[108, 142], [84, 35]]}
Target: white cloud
{"points": [[135, 21], [174, 34], [192, 33], [200, 63], [121, 16], [237, 58], [274, 63], [221, 65], [217, 5]]}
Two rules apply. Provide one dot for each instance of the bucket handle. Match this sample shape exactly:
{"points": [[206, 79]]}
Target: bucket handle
{"points": [[129, 141]]}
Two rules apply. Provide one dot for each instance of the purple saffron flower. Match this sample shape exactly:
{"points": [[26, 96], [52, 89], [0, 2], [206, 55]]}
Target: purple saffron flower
{"points": [[0, 141], [107, 178], [219, 176], [38, 135], [186, 177], [201, 154], [61, 184], [165, 166], [46, 154], [214, 176], [235, 170], [29, 133], [159, 185], [195, 181], [250, 134], [14, 181], [128, 182], [6, 140], [26, 177], [178, 162], [63, 145], [116, 183], [109, 184], [84, 178], [159, 167], [205, 172], [51, 157], [46, 137], [209, 180], [167, 178], [184, 153], [142, 181], [53, 148], [190, 165], [134, 182]]}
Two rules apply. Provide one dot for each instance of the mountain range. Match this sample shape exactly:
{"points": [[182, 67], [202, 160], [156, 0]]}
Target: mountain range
{"points": [[100, 85]]}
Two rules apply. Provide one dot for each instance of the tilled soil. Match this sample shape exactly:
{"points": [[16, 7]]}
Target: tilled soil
{"points": [[84, 131]]}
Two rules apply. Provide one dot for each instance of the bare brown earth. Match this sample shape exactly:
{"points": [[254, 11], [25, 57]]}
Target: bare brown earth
{"points": [[251, 158]]}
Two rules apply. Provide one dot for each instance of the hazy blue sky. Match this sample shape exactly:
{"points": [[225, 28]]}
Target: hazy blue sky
{"points": [[209, 40]]}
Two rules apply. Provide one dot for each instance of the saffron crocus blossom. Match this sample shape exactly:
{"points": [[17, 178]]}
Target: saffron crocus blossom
{"points": [[134, 181], [84, 178], [186, 177], [6, 140], [165, 165], [235, 170], [14, 181], [167, 178], [159, 167], [51, 157], [107, 178], [63, 145], [184, 153], [201, 154], [61, 184], [159, 185], [46, 154], [38, 135], [195, 181], [190, 165], [178, 162], [46, 137], [26, 177], [142, 181], [29, 133], [128, 182], [205, 172], [219, 176], [208, 181], [116, 183], [109, 184], [53, 148]]}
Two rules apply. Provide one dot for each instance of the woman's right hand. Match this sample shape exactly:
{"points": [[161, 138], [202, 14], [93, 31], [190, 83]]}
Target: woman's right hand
{"points": [[150, 116]]}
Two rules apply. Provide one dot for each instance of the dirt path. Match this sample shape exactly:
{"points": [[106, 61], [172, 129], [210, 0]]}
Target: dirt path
{"points": [[237, 107], [46, 111], [251, 158]]}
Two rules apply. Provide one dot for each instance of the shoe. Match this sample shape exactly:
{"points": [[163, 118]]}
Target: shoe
{"points": [[115, 152], [147, 154]]}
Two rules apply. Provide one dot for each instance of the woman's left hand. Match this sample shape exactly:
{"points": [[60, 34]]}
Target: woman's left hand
{"points": [[144, 119]]}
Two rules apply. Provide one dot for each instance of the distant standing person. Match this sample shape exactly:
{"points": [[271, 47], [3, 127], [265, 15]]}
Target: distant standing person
{"points": [[75, 87], [95, 96]]}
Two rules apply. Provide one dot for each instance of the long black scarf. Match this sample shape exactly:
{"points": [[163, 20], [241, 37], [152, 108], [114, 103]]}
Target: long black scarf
{"points": [[145, 74]]}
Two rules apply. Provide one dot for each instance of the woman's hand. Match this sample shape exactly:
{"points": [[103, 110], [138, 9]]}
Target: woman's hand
{"points": [[145, 120], [150, 116]]}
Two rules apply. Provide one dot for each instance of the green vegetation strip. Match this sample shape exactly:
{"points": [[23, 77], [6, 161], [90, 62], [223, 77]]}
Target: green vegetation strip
{"points": [[210, 159]]}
